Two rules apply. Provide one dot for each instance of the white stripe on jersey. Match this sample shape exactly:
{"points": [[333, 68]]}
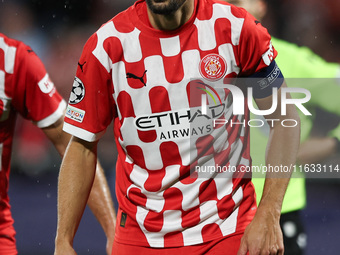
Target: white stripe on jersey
{"points": [[9, 52], [170, 46], [81, 133], [53, 117], [9, 62], [130, 43], [205, 34]]}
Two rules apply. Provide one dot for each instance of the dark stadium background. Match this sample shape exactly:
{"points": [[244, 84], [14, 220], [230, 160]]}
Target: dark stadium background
{"points": [[57, 31]]}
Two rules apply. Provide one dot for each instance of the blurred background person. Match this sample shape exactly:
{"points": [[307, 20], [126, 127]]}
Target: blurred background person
{"points": [[34, 156], [298, 62], [26, 88]]}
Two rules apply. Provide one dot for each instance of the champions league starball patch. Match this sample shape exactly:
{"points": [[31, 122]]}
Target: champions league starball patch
{"points": [[78, 91], [213, 67]]}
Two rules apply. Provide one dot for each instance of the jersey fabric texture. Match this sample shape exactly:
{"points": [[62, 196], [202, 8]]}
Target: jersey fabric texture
{"points": [[142, 79], [299, 62], [226, 245], [25, 88]]}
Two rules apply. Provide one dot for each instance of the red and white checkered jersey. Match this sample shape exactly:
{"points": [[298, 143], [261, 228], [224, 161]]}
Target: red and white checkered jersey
{"points": [[25, 88], [147, 82]]}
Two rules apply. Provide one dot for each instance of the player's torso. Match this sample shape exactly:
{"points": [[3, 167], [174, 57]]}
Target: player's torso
{"points": [[157, 81], [152, 73]]}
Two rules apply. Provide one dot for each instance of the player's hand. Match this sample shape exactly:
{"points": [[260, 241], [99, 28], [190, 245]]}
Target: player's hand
{"points": [[263, 235]]}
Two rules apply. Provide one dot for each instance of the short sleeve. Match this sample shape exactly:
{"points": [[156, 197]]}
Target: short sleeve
{"points": [[35, 96], [91, 105], [255, 49]]}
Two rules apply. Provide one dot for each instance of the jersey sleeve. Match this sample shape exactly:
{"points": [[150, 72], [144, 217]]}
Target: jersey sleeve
{"points": [[255, 49], [91, 106], [35, 96]]}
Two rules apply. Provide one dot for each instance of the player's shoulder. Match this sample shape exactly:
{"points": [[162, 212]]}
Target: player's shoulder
{"points": [[15, 48], [10, 42]]}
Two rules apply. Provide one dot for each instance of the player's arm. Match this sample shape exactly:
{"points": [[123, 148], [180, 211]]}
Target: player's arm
{"points": [[282, 149], [100, 200], [36, 99], [101, 204], [75, 181]]}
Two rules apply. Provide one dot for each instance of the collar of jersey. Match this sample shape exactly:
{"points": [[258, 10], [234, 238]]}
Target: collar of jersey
{"points": [[145, 26]]}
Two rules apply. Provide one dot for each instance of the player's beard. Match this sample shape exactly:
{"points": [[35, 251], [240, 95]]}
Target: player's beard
{"points": [[164, 7]]}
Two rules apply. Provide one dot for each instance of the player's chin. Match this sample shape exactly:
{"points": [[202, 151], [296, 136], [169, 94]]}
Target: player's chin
{"points": [[164, 7]]}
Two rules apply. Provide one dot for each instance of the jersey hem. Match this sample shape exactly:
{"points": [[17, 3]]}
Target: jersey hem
{"points": [[51, 119], [192, 242], [81, 133]]}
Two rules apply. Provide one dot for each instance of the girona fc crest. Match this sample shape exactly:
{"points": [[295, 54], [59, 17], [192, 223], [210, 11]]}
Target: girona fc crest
{"points": [[213, 67]]}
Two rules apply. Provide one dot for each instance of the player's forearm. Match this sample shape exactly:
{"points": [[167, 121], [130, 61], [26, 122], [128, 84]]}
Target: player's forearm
{"points": [[75, 181], [57, 136], [100, 202], [282, 150]]}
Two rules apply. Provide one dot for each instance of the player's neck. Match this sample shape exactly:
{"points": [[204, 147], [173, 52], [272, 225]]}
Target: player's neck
{"points": [[173, 21]]}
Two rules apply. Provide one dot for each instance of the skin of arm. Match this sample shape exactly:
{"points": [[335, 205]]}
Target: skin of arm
{"points": [[100, 200], [76, 178], [75, 181], [263, 235]]}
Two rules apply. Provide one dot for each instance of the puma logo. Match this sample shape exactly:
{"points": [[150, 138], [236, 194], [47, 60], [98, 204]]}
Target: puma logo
{"points": [[131, 75], [81, 66]]}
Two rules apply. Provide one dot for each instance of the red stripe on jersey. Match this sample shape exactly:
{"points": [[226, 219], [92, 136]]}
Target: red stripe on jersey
{"points": [[125, 105], [148, 136], [136, 153], [170, 237], [173, 69], [159, 99], [225, 206], [191, 217], [170, 153], [211, 229], [2, 63], [173, 199], [113, 48], [149, 47], [153, 221], [186, 176], [204, 146], [207, 191], [137, 196], [154, 181]]}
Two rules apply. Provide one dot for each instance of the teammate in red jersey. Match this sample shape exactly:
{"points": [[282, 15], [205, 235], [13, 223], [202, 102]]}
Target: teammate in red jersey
{"points": [[26, 88], [147, 70]]}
